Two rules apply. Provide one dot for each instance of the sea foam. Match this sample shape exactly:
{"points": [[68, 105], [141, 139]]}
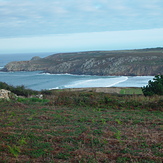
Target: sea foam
{"points": [[101, 82]]}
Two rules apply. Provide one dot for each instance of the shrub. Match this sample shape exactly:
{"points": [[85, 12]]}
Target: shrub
{"points": [[18, 90], [154, 87], [46, 92]]}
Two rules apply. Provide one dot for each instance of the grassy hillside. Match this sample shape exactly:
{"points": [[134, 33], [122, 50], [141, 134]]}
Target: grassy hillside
{"points": [[82, 127], [121, 62]]}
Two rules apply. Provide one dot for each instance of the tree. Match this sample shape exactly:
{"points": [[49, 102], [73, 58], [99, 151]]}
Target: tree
{"points": [[154, 87]]}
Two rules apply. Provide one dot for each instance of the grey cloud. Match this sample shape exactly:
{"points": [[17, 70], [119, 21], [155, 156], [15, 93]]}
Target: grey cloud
{"points": [[37, 17]]}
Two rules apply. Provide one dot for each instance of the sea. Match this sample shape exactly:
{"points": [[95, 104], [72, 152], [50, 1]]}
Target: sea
{"points": [[38, 80]]}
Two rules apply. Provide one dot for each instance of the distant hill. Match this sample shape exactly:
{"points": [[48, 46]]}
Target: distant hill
{"points": [[121, 62]]}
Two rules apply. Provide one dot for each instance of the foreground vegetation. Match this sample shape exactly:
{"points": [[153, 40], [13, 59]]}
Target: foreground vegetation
{"points": [[84, 127]]}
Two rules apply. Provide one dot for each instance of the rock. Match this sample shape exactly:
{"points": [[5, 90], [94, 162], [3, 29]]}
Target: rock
{"points": [[4, 94]]}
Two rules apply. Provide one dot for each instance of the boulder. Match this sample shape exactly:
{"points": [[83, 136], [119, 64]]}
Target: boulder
{"points": [[4, 94]]}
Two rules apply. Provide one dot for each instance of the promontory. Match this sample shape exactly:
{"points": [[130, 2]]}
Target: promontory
{"points": [[141, 62]]}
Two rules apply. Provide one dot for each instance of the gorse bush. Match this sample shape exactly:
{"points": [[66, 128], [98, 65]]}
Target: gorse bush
{"points": [[46, 92], [18, 90], [154, 87]]}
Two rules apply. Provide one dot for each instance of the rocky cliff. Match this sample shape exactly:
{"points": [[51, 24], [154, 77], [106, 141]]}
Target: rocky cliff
{"points": [[127, 62]]}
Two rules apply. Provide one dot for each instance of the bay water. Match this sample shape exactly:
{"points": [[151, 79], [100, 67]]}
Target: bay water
{"points": [[38, 80]]}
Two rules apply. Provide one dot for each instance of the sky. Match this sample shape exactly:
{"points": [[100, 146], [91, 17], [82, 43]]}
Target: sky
{"points": [[79, 25]]}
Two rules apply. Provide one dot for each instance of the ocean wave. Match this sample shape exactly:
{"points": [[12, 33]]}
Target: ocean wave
{"points": [[67, 74], [56, 88], [123, 80], [101, 82], [46, 73]]}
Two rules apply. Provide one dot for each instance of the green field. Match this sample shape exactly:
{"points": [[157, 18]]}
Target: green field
{"points": [[82, 127], [131, 91]]}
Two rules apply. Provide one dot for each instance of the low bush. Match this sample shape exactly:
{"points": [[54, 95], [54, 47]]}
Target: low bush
{"points": [[46, 92], [154, 87], [18, 90]]}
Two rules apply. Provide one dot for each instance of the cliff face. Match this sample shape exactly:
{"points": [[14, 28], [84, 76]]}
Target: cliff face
{"points": [[131, 62]]}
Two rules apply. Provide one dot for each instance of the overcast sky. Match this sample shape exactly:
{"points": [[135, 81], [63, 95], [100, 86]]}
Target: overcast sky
{"points": [[77, 25]]}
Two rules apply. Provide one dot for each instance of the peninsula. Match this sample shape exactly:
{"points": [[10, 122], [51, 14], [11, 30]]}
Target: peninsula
{"points": [[139, 62]]}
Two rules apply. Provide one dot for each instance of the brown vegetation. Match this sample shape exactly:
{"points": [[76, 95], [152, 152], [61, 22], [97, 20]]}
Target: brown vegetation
{"points": [[82, 127]]}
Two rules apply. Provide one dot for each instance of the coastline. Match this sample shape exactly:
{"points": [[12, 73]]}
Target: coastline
{"points": [[100, 63]]}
